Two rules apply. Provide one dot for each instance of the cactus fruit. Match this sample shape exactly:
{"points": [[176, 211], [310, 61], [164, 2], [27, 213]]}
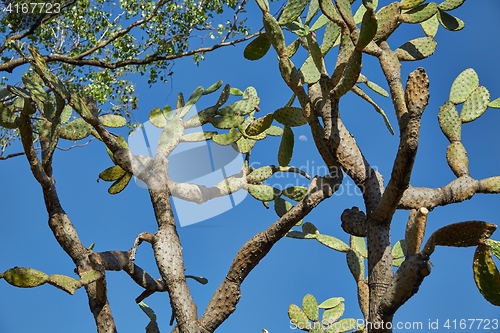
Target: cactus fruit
{"points": [[408, 4], [430, 26], [332, 242], [275, 34], [310, 71], [475, 105], [75, 130], [113, 120], [356, 264], [297, 316], [112, 173], [420, 13], [462, 234], [260, 125], [450, 4], [310, 307], [416, 49], [227, 138], [450, 22], [486, 274], [456, 155], [388, 21], [463, 85], [257, 48], [263, 192], [368, 30], [290, 116], [25, 277], [292, 11], [213, 88], [450, 122], [296, 193], [120, 184], [285, 150]]}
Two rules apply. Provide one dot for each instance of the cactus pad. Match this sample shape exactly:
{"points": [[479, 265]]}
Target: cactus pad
{"points": [[260, 174], [257, 48], [333, 243], [310, 307], [290, 116], [241, 107], [330, 37], [198, 136], [75, 130], [416, 49], [281, 206], [408, 4], [387, 19], [120, 184], [491, 184], [449, 121], [226, 122], [368, 30], [356, 264], [260, 125], [463, 85], [227, 138], [297, 316], [420, 13], [494, 104], [292, 11], [430, 26], [111, 174], [243, 145], [450, 4], [486, 275], [331, 315], [274, 33], [25, 277], [296, 193], [213, 88], [310, 71], [113, 120], [475, 105], [274, 131], [286, 147], [262, 192], [456, 155], [344, 7], [450, 22]]}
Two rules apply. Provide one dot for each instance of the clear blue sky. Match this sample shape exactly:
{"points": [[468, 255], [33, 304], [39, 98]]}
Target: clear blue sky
{"points": [[294, 267]]}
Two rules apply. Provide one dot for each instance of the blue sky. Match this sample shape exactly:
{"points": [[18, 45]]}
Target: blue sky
{"points": [[294, 267]]}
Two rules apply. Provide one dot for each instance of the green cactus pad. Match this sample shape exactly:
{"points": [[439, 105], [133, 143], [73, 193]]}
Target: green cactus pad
{"points": [[56, 84], [368, 30], [369, 4], [311, 12], [120, 184], [111, 174], [227, 138], [350, 74], [344, 7], [330, 37], [281, 206], [333, 243], [260, 125], [292, 48], [274, 131], [8, 119], [113, 120], [34, 84], [420, 13], [198, 136], [346, 324], [309, 231], [331, 303], [292, 11], [297, 316], [388, 21], [462, 234], [257, 48], [450, 22], [320, 22], [358, 244], [416, 49], [64, 283], [408, 4], [274, 33], [430, 26], [450, 4], [456, 155], [494, 104], [331, 315], [450, 122], [260, 174], [201, 118], [358, 16], [286, 147], [295, 193], [66, 114], [491, 184], [330, 10], [399, 249], [310, 307], [241, 107], [263, 5], [243, 145], [224, 95], [376, 88], [486, 275], [148, 311], [226, 122], [89, 277], [213, 88], [19, 92], [494, 247], [463, 85], [249, 92], [180, 102], [25, 277], [290, 116], [356, 264], [310, 71], [28, 107], [75, 130], [262, 192], [192, 100], [475, 105]]}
